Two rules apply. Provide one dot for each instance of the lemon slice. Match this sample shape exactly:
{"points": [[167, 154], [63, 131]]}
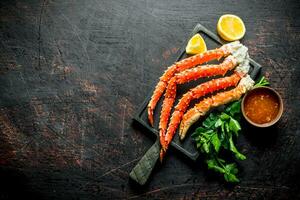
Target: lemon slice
{"points": [[231, 27], [196, 45]]}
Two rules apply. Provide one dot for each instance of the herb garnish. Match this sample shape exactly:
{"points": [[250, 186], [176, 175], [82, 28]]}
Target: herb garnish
{"points": [[263, 82], [217, 133]]}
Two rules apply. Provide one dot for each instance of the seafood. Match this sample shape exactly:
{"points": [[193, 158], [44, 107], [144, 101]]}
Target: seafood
{"points": [[192, 74], [200, 90], [184, 64], [200, 109], [197, 92]]}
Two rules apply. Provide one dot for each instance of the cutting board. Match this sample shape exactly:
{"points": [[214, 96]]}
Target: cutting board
{"points": [[144, 167]]}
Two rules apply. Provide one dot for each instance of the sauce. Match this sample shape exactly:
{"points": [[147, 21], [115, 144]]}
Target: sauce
{"points": [[261, 106]]}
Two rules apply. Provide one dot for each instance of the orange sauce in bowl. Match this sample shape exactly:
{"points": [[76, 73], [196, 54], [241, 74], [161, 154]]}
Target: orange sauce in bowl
{"points": [[261, 106]]}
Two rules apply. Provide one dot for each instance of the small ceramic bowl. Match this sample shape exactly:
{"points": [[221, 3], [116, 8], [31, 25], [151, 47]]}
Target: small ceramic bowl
{"points": [[272, 91]]}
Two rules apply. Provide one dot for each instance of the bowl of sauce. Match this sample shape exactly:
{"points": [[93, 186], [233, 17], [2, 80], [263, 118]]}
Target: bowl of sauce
{"points": [[262, 106]]}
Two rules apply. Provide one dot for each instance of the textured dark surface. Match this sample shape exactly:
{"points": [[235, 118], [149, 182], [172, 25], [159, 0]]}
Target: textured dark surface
{"points": [[73, 73]]}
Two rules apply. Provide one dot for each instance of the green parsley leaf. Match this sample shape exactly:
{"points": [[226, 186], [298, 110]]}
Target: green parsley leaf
{"points": [[231, 178], [237, 154], [227, 128], [218, 123], [210, 121], [198, 131], [224, 116], [220, 160], [262, 82], [216, 142], [206, 147], [223, 130], [234, 125], [231, 168], [234, 108], [212, 164]]}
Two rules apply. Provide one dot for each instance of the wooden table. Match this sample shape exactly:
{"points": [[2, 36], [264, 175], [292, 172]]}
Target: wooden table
{"points": [[73, 73]]}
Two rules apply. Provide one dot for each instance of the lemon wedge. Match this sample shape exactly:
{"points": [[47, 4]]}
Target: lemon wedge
{"points": [[231, 27], [196, 45]]}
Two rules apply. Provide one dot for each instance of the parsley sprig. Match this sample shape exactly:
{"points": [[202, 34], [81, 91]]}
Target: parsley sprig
{"points": [[217, 134], [262, 82]]}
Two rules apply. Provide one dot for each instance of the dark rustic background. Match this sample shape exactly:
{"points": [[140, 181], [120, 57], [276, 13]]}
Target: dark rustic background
{"points": [[73, 73]]}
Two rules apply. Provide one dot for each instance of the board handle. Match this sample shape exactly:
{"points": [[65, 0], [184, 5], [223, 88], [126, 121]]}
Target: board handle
{"points": [[141, 172]]}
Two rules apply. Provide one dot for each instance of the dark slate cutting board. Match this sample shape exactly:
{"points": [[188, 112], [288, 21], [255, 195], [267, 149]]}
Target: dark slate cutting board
{"points": [[143, 169]]}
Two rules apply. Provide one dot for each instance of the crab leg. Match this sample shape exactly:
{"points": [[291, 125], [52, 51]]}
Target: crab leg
{"points": [[200, 109], [187, 63], [186, 76], [197, 92], [202, 90]]}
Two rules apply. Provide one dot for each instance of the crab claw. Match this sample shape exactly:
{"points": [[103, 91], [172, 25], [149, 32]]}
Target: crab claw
{"points": [[150, 116], [162, 139], [189, 119], [162, 155]]}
